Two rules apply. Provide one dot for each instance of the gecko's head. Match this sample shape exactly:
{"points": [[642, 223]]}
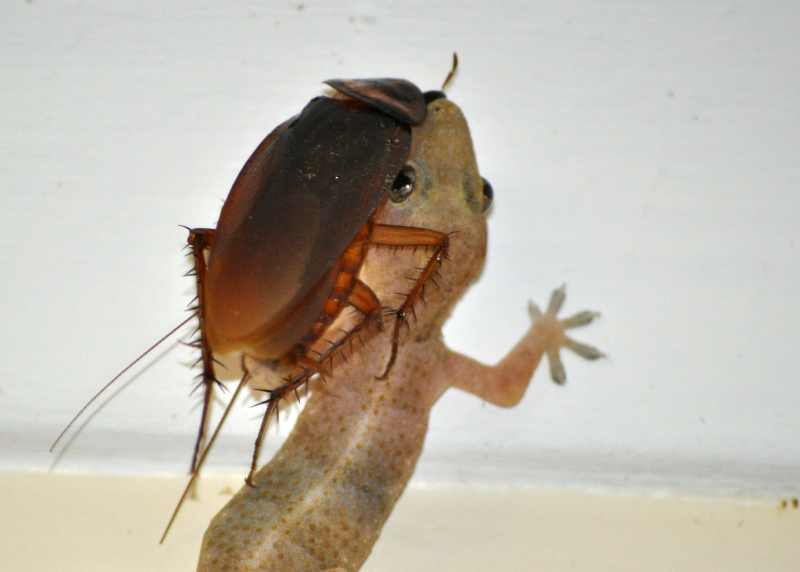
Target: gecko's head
{"points": [[441, 189]]}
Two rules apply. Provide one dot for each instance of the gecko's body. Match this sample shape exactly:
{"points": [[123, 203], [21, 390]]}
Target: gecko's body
{"points": [[321, 502]]}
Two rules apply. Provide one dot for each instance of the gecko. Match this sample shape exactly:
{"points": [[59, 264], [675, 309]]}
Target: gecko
{"points": [[320, 503]]}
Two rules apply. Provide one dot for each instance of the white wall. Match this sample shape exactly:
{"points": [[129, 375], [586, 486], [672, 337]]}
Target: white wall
{"points": [[643, 152]]}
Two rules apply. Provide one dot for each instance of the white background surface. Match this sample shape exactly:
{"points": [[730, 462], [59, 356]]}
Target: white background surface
{"points": [[643, 153]]}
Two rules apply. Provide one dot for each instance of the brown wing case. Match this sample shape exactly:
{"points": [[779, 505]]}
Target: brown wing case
{"points": [[298, 202]]}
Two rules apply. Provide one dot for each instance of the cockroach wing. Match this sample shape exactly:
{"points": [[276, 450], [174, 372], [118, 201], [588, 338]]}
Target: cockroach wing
{"points": [[298, 202]]}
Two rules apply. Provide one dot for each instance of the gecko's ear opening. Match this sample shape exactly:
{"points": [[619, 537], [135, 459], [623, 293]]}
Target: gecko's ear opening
{"points": [[398, 98]]}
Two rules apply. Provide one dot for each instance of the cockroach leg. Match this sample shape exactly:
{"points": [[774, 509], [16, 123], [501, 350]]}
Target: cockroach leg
{"points": [[363, 299], [202, 458], [406, 236], [410, 237], [200, 240], [272, 402]]}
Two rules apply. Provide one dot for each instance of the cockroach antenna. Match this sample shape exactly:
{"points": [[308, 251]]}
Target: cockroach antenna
{"points": [[452, 73], [108, 384]]}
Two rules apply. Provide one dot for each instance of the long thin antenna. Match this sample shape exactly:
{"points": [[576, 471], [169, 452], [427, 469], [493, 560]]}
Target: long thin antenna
{"points": [[452, 73], [202, 458], [115, 378]]}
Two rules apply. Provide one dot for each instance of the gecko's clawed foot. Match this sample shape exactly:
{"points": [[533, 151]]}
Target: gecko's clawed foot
{"points": [[553, 331]]}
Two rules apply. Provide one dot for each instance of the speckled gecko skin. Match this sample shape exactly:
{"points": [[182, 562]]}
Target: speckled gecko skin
{"points": [[321, 502]]}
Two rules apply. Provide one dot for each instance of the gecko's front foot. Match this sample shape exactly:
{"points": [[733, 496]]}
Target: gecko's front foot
{"points": [[554, 332]]}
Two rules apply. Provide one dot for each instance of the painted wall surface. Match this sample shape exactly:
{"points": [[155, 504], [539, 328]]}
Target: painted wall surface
{"points": [[645, 153]]}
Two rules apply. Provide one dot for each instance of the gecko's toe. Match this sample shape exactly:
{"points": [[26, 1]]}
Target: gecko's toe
{"points": [[584, 350], [557, 300], [557, 371], [580, 319], [534, 311]]}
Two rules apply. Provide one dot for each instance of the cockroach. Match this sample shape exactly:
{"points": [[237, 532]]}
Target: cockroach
{"points": [[283, 261]]}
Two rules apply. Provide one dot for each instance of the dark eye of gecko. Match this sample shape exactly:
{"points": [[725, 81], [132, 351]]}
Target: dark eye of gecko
{"points": [[488, 194], [403, 185]]}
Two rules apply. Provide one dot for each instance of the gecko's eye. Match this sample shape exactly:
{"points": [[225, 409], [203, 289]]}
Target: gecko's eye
{"points": [[488, 194], [403, 185]]}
